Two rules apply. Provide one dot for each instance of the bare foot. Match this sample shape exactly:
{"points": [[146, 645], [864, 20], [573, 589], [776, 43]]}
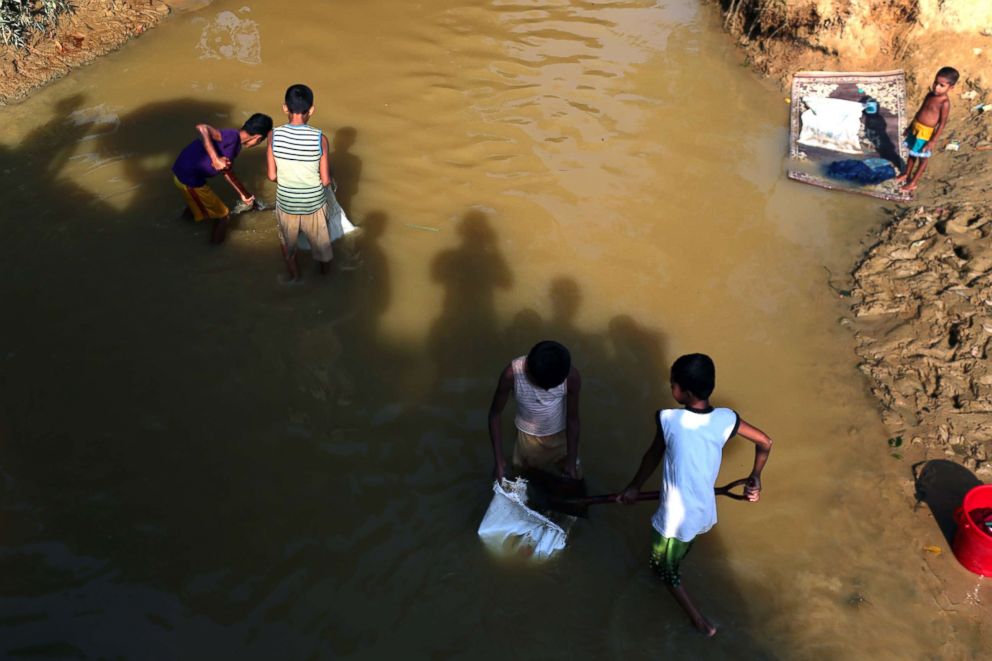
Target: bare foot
{"points": [[908, 188], [705, 627], [901, 177]]}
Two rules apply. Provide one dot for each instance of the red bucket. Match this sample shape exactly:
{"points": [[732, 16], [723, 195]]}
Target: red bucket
{"points": [[972, 545]]}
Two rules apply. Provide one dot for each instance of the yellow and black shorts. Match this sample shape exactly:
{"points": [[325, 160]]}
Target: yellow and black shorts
{"points": [[202, 201]]}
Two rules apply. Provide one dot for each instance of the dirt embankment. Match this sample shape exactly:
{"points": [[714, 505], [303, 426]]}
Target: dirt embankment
{"points": [[922, 294], [94, 28]]}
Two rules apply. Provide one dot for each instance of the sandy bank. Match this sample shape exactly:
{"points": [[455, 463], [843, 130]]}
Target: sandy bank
{"points": [[922, 295], [95, 28]]}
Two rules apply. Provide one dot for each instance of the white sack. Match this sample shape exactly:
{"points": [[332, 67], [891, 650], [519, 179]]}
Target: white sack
{"points": [[833, 124], [508, 519], [337, 222]]}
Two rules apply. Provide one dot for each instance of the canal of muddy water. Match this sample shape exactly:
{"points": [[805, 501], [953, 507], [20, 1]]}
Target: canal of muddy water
{"points": [[200, 461]]}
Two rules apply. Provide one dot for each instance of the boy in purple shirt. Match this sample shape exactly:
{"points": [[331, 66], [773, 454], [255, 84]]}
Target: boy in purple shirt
{"points": [[209, 156]]}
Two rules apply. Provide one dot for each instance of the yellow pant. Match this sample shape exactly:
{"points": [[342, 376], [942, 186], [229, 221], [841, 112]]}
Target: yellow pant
{"points": [[546, 453], [202, 201], [922, 131]]}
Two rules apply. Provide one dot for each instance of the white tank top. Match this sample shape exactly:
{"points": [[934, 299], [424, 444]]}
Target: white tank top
{"points": [[540, 412], [694, 443]]}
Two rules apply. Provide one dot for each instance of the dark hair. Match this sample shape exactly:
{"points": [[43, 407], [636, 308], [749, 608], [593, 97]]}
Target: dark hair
{"points": [[696, 373], [548, 364], [258, 124], [950, 73], [299, 99]]}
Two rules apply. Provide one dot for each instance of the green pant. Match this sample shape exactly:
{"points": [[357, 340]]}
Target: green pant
{"points": [[666, 554]]}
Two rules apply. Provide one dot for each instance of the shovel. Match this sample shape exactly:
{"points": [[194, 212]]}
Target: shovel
{"points": [[567, 495], [257, 205]]}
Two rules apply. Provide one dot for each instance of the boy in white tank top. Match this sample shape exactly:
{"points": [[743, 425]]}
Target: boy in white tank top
{"points": [[546, 387], [690, 441]]}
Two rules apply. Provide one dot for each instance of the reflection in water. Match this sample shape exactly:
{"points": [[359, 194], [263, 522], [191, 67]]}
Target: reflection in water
{"points": [[199, 460]]}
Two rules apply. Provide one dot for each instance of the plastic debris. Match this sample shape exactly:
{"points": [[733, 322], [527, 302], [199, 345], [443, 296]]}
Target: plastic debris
{"points": [[953, 145], [425, 228], [932, 549], [969, 95]]}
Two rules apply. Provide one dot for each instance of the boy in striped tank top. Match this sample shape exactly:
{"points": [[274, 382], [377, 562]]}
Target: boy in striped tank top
{"points": [[546, 387], [297, 159]]}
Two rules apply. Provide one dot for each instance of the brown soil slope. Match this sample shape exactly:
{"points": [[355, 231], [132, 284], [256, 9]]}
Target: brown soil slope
{"points": [[923, 293], [94, 28]]}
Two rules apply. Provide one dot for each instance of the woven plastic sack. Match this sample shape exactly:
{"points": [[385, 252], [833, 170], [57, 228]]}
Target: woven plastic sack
{"points": [[337, 221], [509, 523]]}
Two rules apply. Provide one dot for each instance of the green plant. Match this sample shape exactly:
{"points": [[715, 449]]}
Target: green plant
{"points": [[19, 18]]}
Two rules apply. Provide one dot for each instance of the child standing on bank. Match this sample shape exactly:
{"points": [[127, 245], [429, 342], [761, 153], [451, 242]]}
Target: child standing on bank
{"points": [[546, 386], [210, 155], [297, 160], [690, 441], [929, 121]]}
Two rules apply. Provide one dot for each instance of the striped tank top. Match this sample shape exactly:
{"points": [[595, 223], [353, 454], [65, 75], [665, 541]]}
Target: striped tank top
{"points": [[297, 149], [540, 412]]}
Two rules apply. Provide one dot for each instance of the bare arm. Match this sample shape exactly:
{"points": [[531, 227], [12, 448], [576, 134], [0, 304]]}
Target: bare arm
{"points": [[649, 462], [503, 388], [945, 111], [325, 167], [209, 135], [572, 423], [762, 448], [238, 187], [270, 159]]}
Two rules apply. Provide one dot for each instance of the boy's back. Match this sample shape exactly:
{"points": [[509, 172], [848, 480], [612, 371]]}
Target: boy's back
{"points": [[193, 166], [297, 150], [689, 443], [694, 441], [297, 161]]}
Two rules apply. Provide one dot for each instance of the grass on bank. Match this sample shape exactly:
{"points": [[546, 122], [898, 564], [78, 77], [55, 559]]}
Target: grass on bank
{"points": [[19, 19]]}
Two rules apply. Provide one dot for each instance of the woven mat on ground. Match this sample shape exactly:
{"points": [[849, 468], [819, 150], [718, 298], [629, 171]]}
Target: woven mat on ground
{"points": [[881, 134]]}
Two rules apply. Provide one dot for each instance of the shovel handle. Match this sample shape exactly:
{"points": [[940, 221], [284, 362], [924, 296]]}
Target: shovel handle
{"points": [[611, 498], [725, 490]]}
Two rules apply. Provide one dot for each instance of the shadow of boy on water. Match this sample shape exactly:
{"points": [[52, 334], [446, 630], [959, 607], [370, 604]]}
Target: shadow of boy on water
{"points": [[346, 167], [470, 275]]}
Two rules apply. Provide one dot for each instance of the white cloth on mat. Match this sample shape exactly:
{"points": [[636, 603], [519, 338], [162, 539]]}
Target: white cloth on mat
{"points": [[833, 124], [508, 519], [337, 222]]}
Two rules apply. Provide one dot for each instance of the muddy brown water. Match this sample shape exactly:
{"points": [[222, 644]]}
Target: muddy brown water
{"points": [[199, 461]]}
